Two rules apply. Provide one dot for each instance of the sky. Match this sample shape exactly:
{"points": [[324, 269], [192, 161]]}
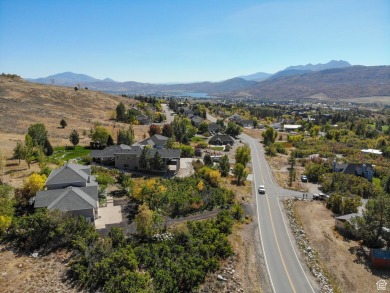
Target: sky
{"points": [[188, 40]]}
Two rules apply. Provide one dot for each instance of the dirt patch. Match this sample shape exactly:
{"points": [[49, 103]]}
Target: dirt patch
{"points": [[255, 133], [280, 169], [334, 252], [28, 274]]}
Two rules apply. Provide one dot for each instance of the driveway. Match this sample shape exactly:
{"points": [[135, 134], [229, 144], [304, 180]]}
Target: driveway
{"points": [[109, 214], [186, 168]]}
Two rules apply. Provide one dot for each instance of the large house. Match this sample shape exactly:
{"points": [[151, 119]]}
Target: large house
{"points": [[363, 170], [127, 157], [70, 188], [221, 139], [214, 128]]}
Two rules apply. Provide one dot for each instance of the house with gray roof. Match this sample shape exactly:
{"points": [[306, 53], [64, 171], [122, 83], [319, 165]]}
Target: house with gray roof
{"points": [[196, 120], [70, 175], [70, 188], [221, 139], [363, 170], [127, 157], [106, 156], [143, 119], [214, 128], [156, 141]]}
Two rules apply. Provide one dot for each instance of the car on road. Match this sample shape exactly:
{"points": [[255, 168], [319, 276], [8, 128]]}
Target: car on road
{"points": [[261, 189], [320, 196], [304, 178]]}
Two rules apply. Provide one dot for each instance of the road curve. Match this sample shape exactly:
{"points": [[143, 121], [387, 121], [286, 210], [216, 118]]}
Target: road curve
{"points": [[285, 271]]}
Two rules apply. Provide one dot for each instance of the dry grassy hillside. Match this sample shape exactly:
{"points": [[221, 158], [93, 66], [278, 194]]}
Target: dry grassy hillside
{"points": [[23, 103]]}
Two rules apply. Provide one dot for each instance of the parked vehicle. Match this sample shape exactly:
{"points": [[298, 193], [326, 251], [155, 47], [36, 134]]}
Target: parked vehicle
{"points": [[320, 196], [304, 178]]}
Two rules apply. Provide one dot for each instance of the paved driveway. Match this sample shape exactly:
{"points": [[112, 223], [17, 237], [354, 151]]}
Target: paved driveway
{"points": [[109, 214]]}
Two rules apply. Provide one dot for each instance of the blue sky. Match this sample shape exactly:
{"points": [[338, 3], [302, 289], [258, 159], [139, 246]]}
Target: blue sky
{"points": [[184, 41]]}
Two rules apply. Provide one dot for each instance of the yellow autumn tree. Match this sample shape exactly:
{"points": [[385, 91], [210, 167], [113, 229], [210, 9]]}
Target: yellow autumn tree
{"points": [[150, 191], [212, 176], [34, 183], [200, 185], [147, 222]]}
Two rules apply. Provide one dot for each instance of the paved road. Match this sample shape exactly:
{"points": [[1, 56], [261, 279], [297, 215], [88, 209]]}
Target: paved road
{"points": [[167, 113], [284, 268]]}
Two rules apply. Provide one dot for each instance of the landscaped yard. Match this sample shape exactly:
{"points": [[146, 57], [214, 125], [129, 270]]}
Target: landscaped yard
{"points": [[68, 154], [197, 139]]}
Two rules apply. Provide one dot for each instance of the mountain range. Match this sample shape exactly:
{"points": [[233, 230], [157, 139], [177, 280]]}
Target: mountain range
{"points": [[336, 79]]}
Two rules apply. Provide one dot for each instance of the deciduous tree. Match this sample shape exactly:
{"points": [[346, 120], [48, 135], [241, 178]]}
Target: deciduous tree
{"points": [[243, 155], [38, 134], [269, 135], [224, 165], [154, 129]]}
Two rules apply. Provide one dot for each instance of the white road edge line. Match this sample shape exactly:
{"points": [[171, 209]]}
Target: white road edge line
{"points": [[292, 245], [258, 223]]}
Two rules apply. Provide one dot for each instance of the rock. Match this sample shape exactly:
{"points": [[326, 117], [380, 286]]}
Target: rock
{"points": [[220, 278], [20, 265], [3, 274]]}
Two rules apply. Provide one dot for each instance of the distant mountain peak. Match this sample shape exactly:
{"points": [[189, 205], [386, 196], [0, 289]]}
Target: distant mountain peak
{"points": [[316, 67]]}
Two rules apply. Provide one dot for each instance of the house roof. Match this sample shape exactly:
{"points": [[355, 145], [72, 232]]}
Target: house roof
{"points": [[108, 151], [165, 153], [347, 217], [352, 169], [156, 139], [292, 126], [197, 119], [371, 151], [70, 173], [134, 150], [247, 122], [221, 137], [214, 127], [68, 199]]}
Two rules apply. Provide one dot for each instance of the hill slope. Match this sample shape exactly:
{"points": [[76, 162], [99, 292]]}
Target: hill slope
{"points": [[349, 82], [23, 103]]}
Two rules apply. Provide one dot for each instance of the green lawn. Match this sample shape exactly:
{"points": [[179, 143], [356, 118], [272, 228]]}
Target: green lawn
{"points": [[217, 148], [197, 139], [64, 154], [385, 128], [377, 182]]}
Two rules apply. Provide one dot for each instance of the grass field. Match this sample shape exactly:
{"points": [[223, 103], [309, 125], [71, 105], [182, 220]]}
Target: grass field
{"points": [[68, 154], [217, 148], [197, 139]]}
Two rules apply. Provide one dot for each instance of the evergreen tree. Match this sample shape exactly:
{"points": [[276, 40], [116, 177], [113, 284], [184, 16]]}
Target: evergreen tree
{"points": [[207, 160], [74, 138], [19, 151], [157, 163], [110, 140], [48, 149], [63, 123], [121, 112], [144, 160]]}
